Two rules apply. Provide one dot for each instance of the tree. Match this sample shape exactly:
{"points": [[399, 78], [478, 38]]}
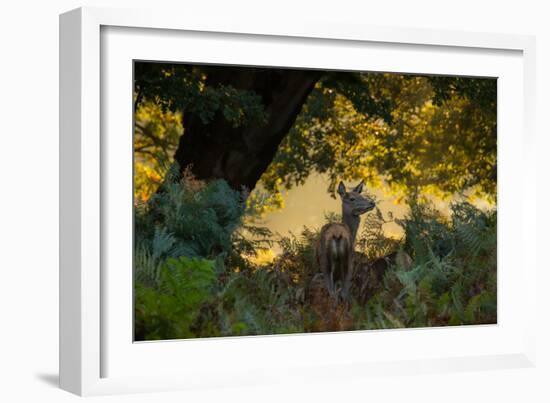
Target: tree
{"points": [[241, 153], [278, 126], [234, 117], [440, 136]]}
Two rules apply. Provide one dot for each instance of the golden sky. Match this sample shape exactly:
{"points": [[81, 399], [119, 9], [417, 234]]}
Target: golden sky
{"points": [[307, 205]]}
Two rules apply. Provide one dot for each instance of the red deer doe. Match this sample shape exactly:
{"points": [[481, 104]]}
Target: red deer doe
{"points": [[335, 248]]}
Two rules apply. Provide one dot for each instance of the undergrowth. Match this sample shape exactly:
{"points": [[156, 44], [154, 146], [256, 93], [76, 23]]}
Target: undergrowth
{"points": [[195, 276]]}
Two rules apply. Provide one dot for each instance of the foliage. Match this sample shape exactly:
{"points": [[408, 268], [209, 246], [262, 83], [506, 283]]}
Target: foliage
{"points": [[156, 134], [439, 136], [184, 88], [189, 218], [168, 310], [192, 274], [453, 277], [189, 287], [373, 242], [415, 133]]}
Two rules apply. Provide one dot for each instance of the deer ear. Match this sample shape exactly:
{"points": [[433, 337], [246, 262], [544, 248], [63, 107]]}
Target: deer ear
{"points": [[341, 189], [359, 188]]}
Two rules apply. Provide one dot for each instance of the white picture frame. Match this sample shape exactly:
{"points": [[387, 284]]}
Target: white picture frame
{"points": [[95, 359]]}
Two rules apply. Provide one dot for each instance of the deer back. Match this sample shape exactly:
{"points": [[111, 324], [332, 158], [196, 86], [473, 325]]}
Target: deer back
{"points": [[334, 248], [331, 232]]}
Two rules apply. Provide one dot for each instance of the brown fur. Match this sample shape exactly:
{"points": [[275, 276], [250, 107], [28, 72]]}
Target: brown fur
{"points": [[335, 249], [335, 255]]}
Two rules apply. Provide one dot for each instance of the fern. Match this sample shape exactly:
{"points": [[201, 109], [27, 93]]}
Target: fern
{"points": [[194, 277], [196, 219]]}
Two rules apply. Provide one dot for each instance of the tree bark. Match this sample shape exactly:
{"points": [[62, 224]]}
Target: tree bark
{"points": [[241, 155]]}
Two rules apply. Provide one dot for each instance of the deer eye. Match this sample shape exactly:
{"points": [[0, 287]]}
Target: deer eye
{"points": [[352, 199]]}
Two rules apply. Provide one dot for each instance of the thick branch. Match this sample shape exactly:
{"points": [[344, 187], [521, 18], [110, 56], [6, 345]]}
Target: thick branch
{"points": [[241, 155]]}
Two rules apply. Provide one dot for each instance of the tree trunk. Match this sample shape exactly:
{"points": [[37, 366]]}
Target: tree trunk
{"points": [[241, 155]]}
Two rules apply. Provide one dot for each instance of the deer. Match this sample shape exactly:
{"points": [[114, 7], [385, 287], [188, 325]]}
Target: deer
{"points": [[335, 248]]}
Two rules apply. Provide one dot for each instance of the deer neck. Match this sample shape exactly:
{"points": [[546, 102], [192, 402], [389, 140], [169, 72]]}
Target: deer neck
{"points": [[352, 221]]}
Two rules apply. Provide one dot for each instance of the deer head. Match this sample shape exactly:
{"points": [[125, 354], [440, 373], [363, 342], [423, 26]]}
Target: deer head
{"points": [[354, 204]]}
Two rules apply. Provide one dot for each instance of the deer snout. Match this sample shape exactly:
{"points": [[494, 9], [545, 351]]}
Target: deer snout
{"points": [[364, 207]]}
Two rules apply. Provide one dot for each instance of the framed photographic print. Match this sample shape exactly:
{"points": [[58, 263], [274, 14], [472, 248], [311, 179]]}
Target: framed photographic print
{"points": [[240, 202]]}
